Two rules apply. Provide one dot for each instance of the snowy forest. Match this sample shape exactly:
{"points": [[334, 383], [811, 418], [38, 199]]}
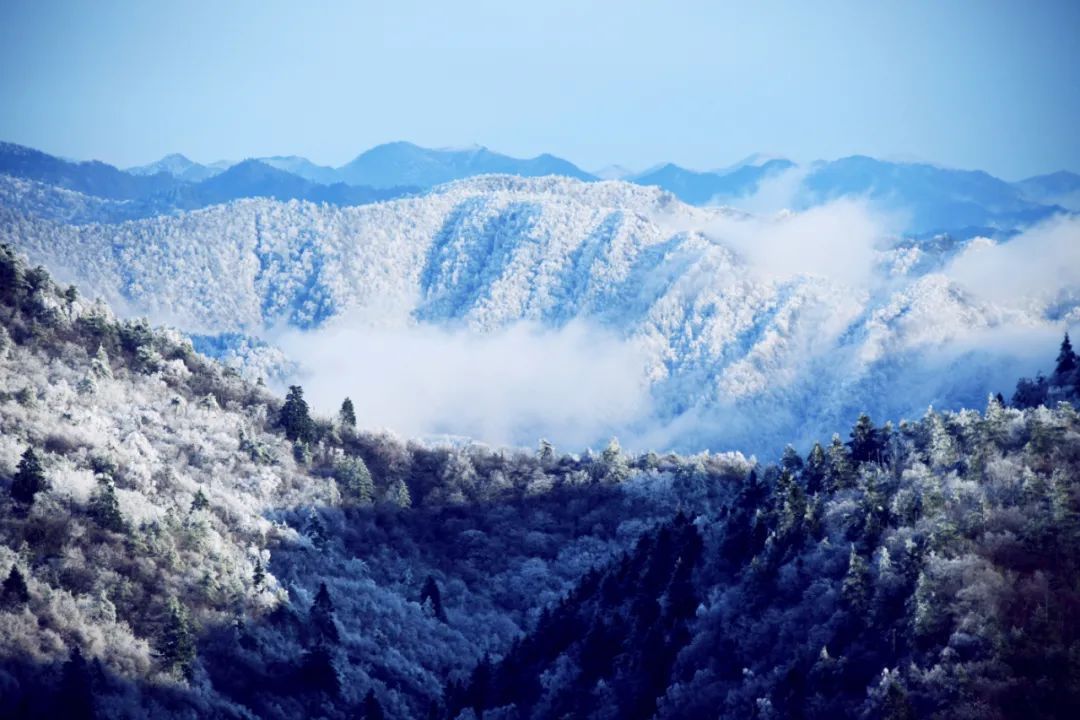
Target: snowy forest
{"points": [[176, 541]]}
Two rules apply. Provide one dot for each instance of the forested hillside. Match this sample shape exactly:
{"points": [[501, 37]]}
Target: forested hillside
{"points": [[176, 542]]}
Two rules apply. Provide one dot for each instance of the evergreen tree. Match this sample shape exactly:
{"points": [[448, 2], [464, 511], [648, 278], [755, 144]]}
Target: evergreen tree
{"points": [[259, 575], [105, 508], [816, 470], [401, 497], [295, 418], [865, 443], [99, 366], [856, 587], [199, 502], [840, 475], [29, 479], [177, 643], [546, 453], [372, 709], [317, 672], [1066, 362], [323, 626], [354, 479], [613, 463], [14, 592], [75, 700], [347, 415], [791, 460], [430, 594]]}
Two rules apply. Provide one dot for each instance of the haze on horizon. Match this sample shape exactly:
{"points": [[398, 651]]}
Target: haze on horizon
{"points": [[975, 85]]}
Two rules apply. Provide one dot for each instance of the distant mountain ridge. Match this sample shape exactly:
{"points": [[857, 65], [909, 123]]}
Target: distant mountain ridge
{"points": [[931, 199]]}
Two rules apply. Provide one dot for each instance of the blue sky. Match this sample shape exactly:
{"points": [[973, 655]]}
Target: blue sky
{"points": [[990, 85]]}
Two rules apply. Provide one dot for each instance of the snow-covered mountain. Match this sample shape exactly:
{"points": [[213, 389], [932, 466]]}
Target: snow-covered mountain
{"points": [[180, 167], [733, 348]]}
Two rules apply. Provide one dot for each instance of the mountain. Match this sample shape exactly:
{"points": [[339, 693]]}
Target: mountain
{"points": [[1060, 188], [303, 168], [405, 164], [934, 198], [255, 178], [178, 543], [727, 351], [91, 178], [179, 167], [701, 188], [614, 172]]}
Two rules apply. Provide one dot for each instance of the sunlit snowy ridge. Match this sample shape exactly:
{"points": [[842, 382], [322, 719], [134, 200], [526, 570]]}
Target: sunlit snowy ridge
{"points": [[711, 326]]}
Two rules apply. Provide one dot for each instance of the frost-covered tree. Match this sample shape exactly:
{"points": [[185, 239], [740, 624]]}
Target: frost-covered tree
{"points": [[865, 443], [431, 597], [347, 415], [176, 645], [400, 494], [816, 470], [100, 366], [29, 479], [295, 418], [105, 508], [856, 586], [354, 480], [14, 591], [613, 463], [841, 475], [199, 502]]}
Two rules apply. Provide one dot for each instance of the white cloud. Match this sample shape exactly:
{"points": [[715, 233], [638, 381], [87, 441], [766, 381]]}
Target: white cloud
{"points": [[576, 385], [1032, 269]]}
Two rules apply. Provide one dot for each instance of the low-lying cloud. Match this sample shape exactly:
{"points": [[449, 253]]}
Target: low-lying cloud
{"points": [[575, 385], [1033, 268]]}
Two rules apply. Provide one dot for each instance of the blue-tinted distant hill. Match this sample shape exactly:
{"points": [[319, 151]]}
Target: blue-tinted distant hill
{"points": [[145, 195], [933, 198], [699, 188], [255, 178], [402, 163], [91, 178], [1060, 188]]}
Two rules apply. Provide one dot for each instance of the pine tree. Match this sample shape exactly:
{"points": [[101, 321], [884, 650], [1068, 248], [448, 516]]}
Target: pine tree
{"points": [[317, 672], [199, 502], [29, 479], [856, 587], [354, 479], [105, 508], [1066, 362], [791, 460], [613, 464], [177, 643], [14, 592], [430, 594], [259, 575], [75, 699], [372, 709], [99, 366], [323, 626], [402, 498], [865, 443], [347, 415], [816, 470], [295, 418], [840, 476]]}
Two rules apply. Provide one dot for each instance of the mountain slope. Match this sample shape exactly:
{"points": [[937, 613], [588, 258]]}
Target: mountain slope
{"points": [[717, 344], [1060, 188]]}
